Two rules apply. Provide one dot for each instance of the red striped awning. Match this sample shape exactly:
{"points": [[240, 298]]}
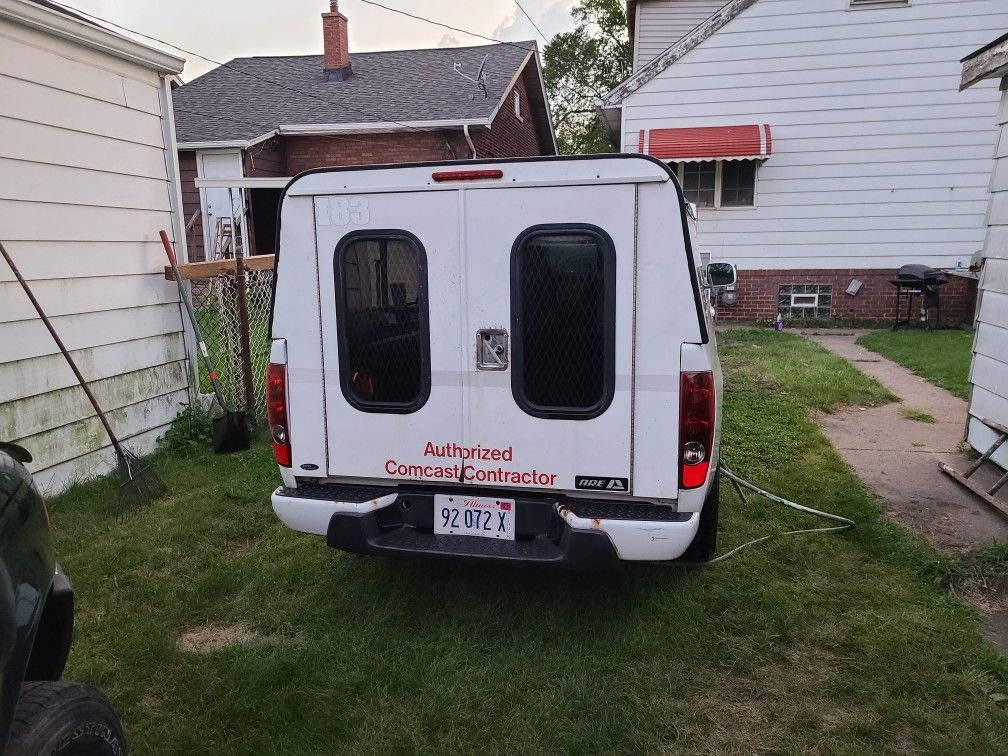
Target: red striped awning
{"points": [[751, 142]]}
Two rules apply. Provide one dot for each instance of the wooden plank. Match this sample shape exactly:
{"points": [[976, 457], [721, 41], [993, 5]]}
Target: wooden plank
{"points": [[999, 506], [199, 270], [989, 63]]}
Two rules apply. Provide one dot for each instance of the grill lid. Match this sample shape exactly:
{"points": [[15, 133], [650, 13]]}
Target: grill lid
{"points": [[918, 273]]}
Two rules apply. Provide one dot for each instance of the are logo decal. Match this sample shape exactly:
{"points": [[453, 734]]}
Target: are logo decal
{"points": [[601, 484]]}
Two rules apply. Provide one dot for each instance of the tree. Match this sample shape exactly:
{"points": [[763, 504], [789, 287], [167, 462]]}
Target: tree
{"points": [[580, 67]]}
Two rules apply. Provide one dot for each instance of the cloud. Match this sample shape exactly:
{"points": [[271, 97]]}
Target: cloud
{"points": [[552, 16], [449, 40]]}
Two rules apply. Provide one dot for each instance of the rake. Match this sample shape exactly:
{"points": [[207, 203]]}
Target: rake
{"points": [[139, 482]]}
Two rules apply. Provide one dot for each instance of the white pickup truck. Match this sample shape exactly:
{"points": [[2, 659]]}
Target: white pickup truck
{"points": [[507, 360]]}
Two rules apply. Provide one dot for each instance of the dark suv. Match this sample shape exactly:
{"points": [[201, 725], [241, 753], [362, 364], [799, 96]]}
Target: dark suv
{"points": [[39, 714]]}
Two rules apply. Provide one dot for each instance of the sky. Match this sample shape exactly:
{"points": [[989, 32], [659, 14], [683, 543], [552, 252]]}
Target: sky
{"points": [[226, 29]]}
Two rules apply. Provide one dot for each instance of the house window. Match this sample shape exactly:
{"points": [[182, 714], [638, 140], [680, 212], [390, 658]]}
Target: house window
{"points": [[854, 4], [563, 311], [805, 301], [517, 106], [383, 332], [719, 183]]}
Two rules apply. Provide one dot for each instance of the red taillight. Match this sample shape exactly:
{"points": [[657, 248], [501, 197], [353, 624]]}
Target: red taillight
{"points": [[276, 412], [696, 428], [467, 175]]}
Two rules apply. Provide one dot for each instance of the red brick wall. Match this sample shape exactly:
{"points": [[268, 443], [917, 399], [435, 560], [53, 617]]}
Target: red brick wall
{"points": [[758, 291], [307, 152], [191, 204], [508, 136]]}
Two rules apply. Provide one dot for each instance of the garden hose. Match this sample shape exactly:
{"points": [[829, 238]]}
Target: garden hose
{"points": [[740, 483]]}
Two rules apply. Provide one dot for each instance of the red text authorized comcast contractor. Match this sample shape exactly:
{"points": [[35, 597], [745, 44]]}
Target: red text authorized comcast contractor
{"points": [[431, 470]]}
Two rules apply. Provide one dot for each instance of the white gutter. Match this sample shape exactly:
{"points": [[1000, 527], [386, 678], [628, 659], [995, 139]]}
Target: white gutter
{"points": [[472, 147], [83, 33], [234, 144], [322, 129], [327, 129]]}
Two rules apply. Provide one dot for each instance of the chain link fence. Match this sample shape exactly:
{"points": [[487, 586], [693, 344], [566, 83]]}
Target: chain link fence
{"points": [[241, 371]]}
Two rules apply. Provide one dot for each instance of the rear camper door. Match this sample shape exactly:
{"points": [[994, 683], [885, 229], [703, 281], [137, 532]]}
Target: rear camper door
{"points": [[549, 277], [391, 332]]}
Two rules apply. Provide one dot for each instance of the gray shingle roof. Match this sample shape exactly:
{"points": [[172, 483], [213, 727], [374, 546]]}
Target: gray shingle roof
{"points": [[239, 102]]}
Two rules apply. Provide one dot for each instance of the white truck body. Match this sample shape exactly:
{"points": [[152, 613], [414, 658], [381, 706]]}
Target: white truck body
{"points": [[510, 330]]}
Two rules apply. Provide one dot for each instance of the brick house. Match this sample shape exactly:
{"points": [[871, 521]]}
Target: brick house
{"points": [[823, 142], [245, 128]]}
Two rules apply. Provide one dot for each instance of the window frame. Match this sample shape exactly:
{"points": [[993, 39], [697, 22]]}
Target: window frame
{"points": [[795, 297], [680, 170], [423, 310], [608, 312]]}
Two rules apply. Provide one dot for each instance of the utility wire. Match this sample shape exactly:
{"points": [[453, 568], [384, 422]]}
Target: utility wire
{"points": [[230, 67], [447, 26], [534, 24]]}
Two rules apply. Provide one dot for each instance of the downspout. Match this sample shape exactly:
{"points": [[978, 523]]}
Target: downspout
{"points": [[472, 147], [177, 221]]}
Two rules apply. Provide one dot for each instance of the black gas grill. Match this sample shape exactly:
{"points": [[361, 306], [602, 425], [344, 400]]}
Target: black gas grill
{"points": [[918, 281]]}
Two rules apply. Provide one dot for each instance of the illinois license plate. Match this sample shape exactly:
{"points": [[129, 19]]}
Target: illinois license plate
{"points": [[483, 516]]}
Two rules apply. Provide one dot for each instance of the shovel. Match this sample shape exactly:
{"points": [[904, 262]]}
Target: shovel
{"points": [[230, 431]]}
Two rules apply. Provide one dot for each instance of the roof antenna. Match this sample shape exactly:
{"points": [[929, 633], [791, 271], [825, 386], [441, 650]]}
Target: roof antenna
{"points": [[479, 81]]}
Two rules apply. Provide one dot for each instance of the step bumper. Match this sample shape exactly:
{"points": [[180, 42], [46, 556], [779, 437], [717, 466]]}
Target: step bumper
{"points": [[575, 535]]}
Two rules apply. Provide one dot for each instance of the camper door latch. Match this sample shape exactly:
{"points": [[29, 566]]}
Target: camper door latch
{"points": [[491, 349]]}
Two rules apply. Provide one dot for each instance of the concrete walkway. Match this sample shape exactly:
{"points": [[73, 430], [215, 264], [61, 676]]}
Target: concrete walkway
{"points": [[898, 457]]}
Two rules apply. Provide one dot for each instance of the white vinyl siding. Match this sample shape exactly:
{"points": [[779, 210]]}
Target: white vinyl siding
{"points": [[989, 370], [86, 189], [878, 160], [662, 23]]}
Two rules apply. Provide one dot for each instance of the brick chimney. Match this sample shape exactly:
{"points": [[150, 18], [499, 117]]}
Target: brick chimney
{"points": [[336, 61]]}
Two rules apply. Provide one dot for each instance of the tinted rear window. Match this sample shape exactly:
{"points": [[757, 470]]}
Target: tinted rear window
{"points": [[381, 285], [563, 313]]}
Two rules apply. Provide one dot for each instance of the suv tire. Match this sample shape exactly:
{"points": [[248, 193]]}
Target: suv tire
{"points": [[705, 543], [57, 718]]}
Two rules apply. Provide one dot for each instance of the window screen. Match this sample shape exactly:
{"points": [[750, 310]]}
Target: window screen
{"points": [[738, 183], [384, 342], [563, 321], [699, 182]]}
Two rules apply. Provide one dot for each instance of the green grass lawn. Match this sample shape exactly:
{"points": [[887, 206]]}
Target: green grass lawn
{"points": [[827, 644], [941, 357]]}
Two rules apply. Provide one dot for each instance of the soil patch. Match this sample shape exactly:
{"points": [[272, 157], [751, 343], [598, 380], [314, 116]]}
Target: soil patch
{"points": [[207, 638]]}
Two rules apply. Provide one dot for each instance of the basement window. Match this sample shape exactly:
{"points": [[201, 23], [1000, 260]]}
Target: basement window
{"points": [[719, 183], [805, 301], [563, 321], [382, 316]]}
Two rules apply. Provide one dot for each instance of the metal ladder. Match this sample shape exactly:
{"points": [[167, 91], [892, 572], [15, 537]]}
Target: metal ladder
{"points": [[964, 478]]}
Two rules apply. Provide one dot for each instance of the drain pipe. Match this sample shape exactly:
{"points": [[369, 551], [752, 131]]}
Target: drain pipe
{"points": [[472, 147]]}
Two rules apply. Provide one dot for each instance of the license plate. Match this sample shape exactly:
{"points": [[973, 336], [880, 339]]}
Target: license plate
{"points": [[482, 516]]}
